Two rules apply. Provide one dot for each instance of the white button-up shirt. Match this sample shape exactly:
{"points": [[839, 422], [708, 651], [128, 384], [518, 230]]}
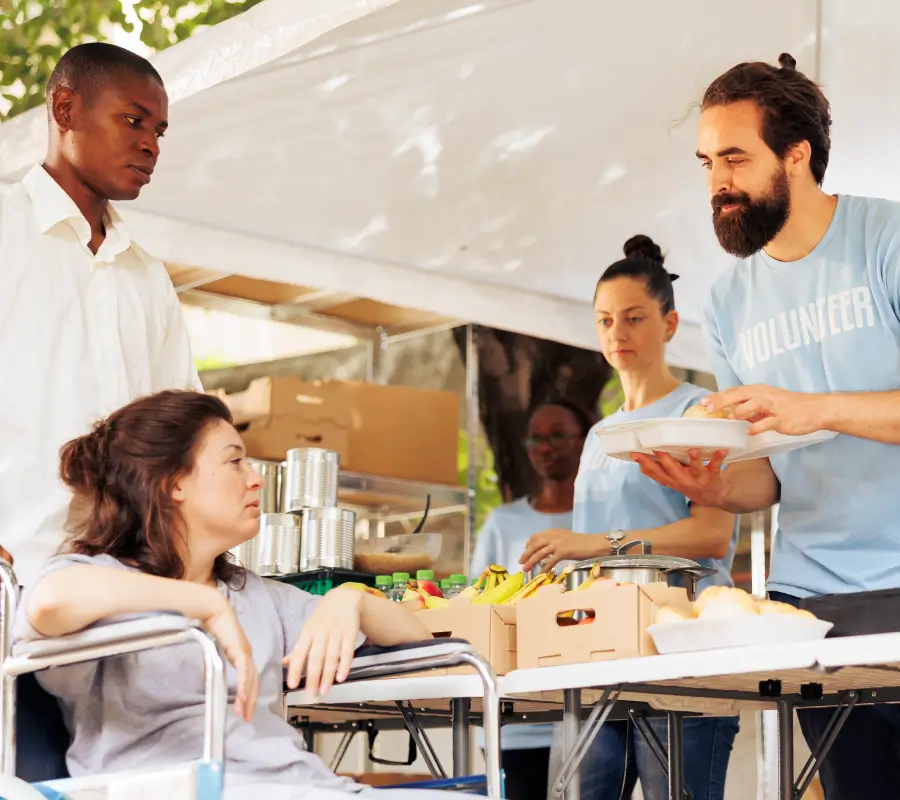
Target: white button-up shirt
{"points": [[80, 336]]}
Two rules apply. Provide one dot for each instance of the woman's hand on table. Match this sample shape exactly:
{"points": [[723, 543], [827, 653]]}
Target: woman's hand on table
{"points": [[328, 642], [550, 547], [224, 626], [698, 482]]}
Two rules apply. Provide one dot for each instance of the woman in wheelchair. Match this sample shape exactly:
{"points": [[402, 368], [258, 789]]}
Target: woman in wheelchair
{"points": [[161, 491]]}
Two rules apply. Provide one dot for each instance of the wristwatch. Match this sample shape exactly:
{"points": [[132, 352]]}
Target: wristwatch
{"points": [[615, 539]]}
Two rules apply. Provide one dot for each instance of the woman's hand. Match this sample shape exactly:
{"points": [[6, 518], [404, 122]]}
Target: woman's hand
{"points": [[700, 483], [328, 642], [224, 626], [555, 545]]}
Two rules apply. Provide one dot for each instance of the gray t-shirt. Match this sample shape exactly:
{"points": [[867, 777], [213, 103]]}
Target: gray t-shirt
{"points": [[146, 709]]}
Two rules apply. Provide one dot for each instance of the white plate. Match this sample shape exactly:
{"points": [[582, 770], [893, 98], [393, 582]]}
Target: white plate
{"points": [[713, 634], [677, 436], [772, 443]]}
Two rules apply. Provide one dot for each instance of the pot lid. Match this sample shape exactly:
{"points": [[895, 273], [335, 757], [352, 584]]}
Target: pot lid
{"points": [[662, 563]]}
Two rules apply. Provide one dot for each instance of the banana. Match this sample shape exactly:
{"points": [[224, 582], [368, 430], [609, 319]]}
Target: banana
{"points": [[435, 602], [466, 595], [531, 587], [502, 592]]}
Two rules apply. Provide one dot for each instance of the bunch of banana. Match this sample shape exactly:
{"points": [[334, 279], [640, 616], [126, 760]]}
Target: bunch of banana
{"points": [[544, 579], [491, 578], [501, 592]]}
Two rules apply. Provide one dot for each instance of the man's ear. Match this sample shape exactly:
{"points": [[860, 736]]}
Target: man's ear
{"points": [[62, 106]]}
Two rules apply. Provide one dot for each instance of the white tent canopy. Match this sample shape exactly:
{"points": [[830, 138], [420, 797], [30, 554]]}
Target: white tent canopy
{"points": [[481, 161]]}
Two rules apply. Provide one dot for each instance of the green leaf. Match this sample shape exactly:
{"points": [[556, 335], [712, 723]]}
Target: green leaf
{"points": [[35, 33]]}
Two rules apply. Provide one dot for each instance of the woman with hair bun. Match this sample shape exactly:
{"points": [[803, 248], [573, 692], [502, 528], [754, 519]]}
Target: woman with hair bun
{"points": [[161, 492], [634, 309]]}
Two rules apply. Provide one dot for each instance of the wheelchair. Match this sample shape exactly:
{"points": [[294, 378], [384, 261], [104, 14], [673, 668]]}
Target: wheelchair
{"points": [[34, 738]]}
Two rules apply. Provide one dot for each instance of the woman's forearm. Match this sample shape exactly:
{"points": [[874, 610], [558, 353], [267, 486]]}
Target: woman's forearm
{"points": [[387, 623], [72, 598]]}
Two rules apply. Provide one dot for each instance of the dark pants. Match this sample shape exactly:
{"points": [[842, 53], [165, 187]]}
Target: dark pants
{"points": [[526, 773], [864, 762], [619, 756]]}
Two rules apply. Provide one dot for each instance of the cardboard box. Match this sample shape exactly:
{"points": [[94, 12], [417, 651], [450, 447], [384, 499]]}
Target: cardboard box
{"points": [[491, 630], [386, 778], [622, 613], [392, 431]]}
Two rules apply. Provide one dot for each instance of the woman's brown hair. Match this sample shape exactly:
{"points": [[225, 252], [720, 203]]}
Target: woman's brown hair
{"points": [[122, 474]]}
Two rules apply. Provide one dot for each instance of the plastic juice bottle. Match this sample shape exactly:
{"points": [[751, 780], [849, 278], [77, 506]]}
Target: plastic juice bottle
{"points": [[399, 580], [457, 584]]}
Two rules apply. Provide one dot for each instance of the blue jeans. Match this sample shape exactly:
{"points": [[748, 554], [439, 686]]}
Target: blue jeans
{"points": [[606, 773], [864, 762]]}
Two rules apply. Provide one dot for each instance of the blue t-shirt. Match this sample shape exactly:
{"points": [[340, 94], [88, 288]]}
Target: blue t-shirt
{"points": [[501, 541], [611, 494], [829, 322]]}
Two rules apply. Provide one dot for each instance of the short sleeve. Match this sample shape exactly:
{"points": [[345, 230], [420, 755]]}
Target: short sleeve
{"points": [[59, 681], [294, 607], [485, 552], [888, 254], [725, 375], [22, 629]]}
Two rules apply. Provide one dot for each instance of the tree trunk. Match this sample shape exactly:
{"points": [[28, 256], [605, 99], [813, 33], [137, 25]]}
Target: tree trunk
{"points": [[518, 373]]}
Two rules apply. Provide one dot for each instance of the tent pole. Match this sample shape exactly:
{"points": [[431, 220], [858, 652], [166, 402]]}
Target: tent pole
{"points": [[473, 425], [767, 775]]}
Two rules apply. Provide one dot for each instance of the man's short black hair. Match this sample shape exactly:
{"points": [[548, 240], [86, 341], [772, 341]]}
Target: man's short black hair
{"points": [[86, 66]]}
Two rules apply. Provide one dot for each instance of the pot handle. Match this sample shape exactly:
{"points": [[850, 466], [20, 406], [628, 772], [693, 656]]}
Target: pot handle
{"points": [[646, 547]]}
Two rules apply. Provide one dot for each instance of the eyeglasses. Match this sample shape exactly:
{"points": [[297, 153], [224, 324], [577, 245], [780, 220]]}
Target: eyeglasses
{"points": [[554, 440]]}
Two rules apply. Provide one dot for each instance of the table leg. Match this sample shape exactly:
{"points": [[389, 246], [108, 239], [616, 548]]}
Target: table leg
{"points": [[785, 750], [676, 756], [461, 740], [571, 729]]}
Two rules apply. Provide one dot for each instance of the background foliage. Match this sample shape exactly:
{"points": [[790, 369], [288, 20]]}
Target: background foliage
{"points": [[35, 33]]}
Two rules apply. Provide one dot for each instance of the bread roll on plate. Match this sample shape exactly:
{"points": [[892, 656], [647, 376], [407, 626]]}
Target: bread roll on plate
{"points": [[669, 615], [707, 596], [699, 412]]}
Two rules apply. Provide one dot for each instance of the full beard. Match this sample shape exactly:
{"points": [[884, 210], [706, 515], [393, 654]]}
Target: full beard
{"points": [[748, 229]]}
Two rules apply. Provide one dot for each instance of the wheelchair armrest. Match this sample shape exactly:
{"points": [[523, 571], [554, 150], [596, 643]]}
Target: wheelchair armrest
{"points": [[115, 636], [372, 661]]}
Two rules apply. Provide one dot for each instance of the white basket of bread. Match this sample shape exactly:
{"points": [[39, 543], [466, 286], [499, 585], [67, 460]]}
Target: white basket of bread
{"points": [[723, 617]]}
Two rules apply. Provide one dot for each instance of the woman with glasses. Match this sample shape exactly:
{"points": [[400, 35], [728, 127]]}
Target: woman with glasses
{"points": [[555, 439], [634, 309]]}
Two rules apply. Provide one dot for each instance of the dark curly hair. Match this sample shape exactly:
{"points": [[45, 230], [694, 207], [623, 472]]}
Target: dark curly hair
{"points": [[793, 107], [122, 473]]}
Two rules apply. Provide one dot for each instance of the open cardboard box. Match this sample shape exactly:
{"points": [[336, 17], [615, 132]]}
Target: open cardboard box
{"points": [[491, 630], [394, 431], [617, 627]]}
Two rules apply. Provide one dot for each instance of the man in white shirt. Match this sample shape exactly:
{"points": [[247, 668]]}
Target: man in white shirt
{"points": [[88, 320]]}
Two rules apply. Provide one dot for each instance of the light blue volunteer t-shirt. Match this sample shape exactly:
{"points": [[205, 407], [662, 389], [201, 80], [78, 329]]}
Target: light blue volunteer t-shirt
{"points": [[502, 541], [829, 322], [611, 494]]}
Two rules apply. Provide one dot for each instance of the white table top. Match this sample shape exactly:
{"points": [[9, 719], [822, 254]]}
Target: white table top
{"points": [[817, 656]]}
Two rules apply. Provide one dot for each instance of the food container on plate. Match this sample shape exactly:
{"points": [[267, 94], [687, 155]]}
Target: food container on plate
{"points": [[747, 631], [642, 569], [270, 493], [279, 544], [388, 554], [310, 479], [327, 539], [678, 436]]}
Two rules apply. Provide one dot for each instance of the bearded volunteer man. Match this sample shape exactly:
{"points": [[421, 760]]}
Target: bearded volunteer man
{"points": [[804, 334], [88, 320]]}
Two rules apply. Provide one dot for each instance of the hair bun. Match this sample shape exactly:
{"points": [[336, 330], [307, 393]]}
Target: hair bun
{"points": [[787, 62], [673, 277], [641, 246]]}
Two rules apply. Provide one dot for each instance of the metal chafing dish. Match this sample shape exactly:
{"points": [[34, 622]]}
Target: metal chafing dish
{"points": [[640, 569]]}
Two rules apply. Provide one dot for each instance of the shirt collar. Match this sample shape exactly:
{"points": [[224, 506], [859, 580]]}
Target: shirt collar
{"points": [[53, 206]]}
